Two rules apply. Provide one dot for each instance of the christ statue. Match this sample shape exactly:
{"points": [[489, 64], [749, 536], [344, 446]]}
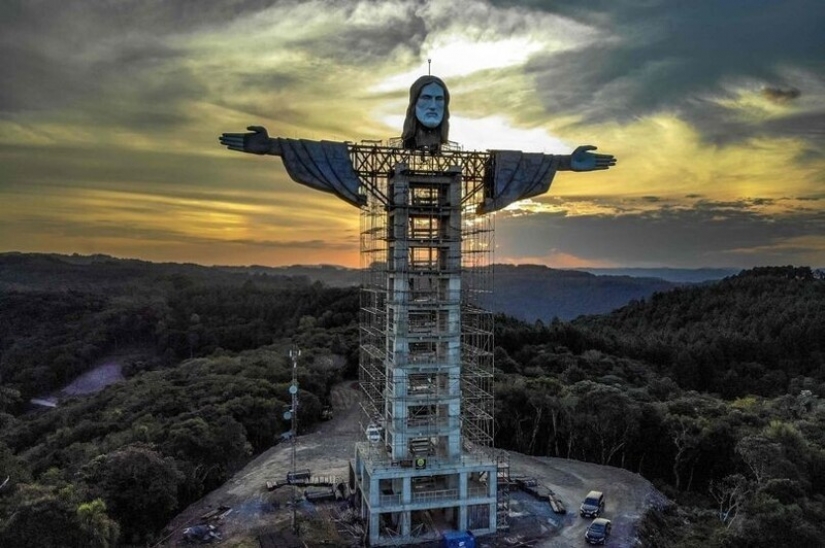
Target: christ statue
{"points": [[326, 165]]}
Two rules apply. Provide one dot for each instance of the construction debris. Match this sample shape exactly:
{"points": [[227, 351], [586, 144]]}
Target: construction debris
{"points": [[216, 514], [201, 534], [533, 487]]}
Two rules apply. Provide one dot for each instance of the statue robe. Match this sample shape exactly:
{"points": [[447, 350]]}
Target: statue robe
{"points": [[326, 166], [517, 175], [323, 165]]}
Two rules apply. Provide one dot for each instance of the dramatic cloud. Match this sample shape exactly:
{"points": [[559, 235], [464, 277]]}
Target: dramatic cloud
{"points": [[779, 95], [707, 233], [110, 112]]}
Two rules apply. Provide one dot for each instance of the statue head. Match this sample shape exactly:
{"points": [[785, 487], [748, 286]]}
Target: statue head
{"points": [[429, 109], [428, 114]]}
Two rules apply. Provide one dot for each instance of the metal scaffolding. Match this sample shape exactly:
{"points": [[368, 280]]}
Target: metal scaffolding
{"points": [[426, 354], [425, 241]]}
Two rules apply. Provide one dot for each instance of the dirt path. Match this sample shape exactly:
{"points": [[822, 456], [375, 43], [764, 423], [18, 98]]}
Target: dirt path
{"points": [[327, 451]]}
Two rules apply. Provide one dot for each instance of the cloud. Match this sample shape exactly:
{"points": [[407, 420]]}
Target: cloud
{"points": [[110, 111], [665, 56], [780, 95], [706, 233], [55, 54]]}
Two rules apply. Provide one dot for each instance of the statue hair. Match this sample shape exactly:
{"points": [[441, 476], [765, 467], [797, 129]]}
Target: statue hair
{"points": [[412, 127]]}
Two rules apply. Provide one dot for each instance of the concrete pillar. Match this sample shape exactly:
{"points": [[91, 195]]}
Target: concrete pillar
{"points": [[406, 527], [406, 491], [375, 524], [375, 492]]}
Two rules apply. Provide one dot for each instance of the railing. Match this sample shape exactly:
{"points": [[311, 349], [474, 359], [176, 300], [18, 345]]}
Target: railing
{"points": [[376, 455], [390, 500], [430, 496], [474, 491]]}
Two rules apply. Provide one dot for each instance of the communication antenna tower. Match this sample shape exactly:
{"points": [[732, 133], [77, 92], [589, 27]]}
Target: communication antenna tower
{"points": [[294, 353]]}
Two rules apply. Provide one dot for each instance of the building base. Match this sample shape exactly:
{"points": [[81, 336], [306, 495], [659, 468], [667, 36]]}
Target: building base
{"points": [[418, 500]]}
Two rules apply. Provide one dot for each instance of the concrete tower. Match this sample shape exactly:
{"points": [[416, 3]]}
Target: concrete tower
{"points": [[426, 352]]}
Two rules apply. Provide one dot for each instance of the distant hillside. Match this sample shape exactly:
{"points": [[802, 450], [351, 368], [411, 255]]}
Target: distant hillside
{"points": [[331, 275], [60, 315], [749, 333], [679, 275], [526, 292], [102, 273], [531, 292]]}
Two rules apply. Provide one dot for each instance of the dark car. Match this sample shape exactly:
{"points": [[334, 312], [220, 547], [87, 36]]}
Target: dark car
{"points": [[593, 505], [598, 531]]}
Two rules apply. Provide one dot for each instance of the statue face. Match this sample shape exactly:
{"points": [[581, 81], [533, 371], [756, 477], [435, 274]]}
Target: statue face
{"points": [[429, 109]]}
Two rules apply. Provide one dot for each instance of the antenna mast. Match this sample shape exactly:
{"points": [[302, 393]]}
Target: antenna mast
{"points": [[294, 353]]}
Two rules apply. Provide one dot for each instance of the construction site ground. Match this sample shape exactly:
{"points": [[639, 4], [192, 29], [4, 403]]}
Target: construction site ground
{"points": [[246, 514]]}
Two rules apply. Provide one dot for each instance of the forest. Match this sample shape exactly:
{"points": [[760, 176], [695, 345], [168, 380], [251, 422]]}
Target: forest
{"points": [[714, 392]]}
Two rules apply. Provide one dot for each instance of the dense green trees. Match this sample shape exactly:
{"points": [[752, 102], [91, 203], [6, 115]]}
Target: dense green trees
{"points": [[153, 444], [140, 488], [207, 384], [48, 337], [51, 517], [748, 334], [716, 393]]}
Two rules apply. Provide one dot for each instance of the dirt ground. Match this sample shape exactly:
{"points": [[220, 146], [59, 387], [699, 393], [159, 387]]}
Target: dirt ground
{"points": [[256, 512], [627, 496]]}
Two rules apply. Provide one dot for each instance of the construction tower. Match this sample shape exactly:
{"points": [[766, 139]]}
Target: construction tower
{"points": [[427, 465]]}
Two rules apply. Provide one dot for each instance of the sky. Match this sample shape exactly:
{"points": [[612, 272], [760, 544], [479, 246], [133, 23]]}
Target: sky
{"points": [[110, 113]]}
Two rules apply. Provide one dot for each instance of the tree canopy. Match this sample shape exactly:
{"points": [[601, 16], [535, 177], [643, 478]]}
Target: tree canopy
{"points": [[714, 392]]}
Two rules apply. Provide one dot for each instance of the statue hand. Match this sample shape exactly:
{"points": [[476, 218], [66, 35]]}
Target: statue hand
{"points": [[583, 160], [257, 142]]}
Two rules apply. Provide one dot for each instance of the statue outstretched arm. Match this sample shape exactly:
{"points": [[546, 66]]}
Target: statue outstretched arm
{"points": [[323, 165], [516, 175], [257, 142], [584, 160]]}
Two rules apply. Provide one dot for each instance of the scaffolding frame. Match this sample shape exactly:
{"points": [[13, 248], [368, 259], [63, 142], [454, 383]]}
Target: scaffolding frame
{"points": [[426, 346], [375, 165]]}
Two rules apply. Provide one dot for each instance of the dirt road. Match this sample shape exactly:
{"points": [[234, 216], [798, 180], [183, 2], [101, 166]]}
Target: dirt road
{"points": [[327, 452]]}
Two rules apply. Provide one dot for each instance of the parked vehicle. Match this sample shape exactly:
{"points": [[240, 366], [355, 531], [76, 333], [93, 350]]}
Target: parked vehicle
{"points": [[598, 531], [593, 505], [374, 433]]}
